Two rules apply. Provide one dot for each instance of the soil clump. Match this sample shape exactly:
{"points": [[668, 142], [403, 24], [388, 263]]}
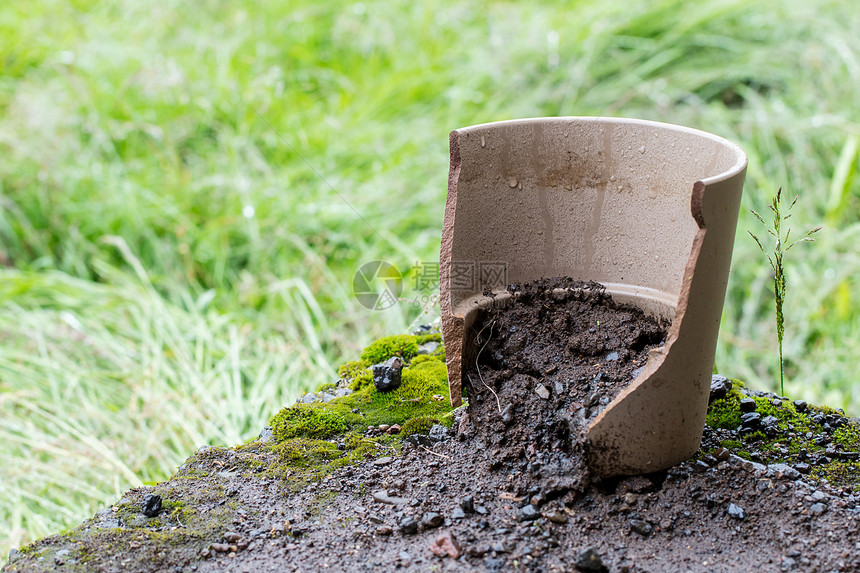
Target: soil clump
{"points": [[547, 361]]}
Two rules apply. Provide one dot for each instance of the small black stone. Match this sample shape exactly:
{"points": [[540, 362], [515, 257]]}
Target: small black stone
{"points": [[408, 525], [700, 466], [751, 420], [432, 519], [151, 505], [386, 376], [817, 508], [419, 440], [589, 560], [528, 513], [641, 527], [800, 405], [720, 386], [769, 421], [467, 504], [747, 405]]}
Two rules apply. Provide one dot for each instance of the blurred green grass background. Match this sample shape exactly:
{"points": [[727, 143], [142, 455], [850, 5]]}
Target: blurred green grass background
{"points": [[172, 271]]}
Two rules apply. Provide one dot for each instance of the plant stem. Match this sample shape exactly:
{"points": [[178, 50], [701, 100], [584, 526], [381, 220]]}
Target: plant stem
{"points": [[779, 277]]}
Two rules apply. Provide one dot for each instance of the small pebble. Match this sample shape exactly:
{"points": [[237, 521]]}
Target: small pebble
{"points": [[720, 386], [387, 376], [445, 544], [432, 519], [438, 433], [641, 527], [557, 516], [802, 468], [151, 505], [467, 504], [722, 454], [747, 405], [408, 525], [394, 429], [589, 560], [528, 513], [817, 509], [736, 511]]}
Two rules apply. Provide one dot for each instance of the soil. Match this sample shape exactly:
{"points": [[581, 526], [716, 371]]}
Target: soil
{"points": [[547, 363], [482, 496]]}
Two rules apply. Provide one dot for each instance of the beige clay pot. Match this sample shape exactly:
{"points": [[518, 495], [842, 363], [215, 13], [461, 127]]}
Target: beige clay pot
{"points": [[647, 209]]}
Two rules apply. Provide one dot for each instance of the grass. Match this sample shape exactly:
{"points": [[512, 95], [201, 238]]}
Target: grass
{"points": [[780, 282], [180, 182]]}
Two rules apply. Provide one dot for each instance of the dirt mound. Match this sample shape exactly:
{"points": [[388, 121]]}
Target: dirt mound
{"points": [[329, 487], [547, 362]]}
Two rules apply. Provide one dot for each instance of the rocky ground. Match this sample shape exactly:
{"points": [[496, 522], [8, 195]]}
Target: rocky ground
{"points": [[443, 506], [353, 479]]}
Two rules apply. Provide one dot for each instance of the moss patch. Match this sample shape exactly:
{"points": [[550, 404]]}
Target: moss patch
{"points": [[420, 425], [402, 345], [307, 422], [818, 436], [312, 440]]}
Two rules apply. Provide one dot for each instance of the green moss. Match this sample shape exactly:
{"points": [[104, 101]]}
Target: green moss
{"points": [[848, 436], [826, 410], [403, 345], [754, 437], [795, 432], [420, 425], [304, 453], [302, 460], [308, 421], [732, 444], [726, 412], [327, 387], [839, 474], [361, 380], [423, 338], [311, 440], [349, 370], [176, 535]]}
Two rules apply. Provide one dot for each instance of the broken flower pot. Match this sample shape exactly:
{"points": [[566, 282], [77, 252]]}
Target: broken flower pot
{"points": [[647, 209]]}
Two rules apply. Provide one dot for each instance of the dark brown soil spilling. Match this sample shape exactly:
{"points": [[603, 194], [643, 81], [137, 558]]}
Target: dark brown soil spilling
{"points": [[546, 364]]}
